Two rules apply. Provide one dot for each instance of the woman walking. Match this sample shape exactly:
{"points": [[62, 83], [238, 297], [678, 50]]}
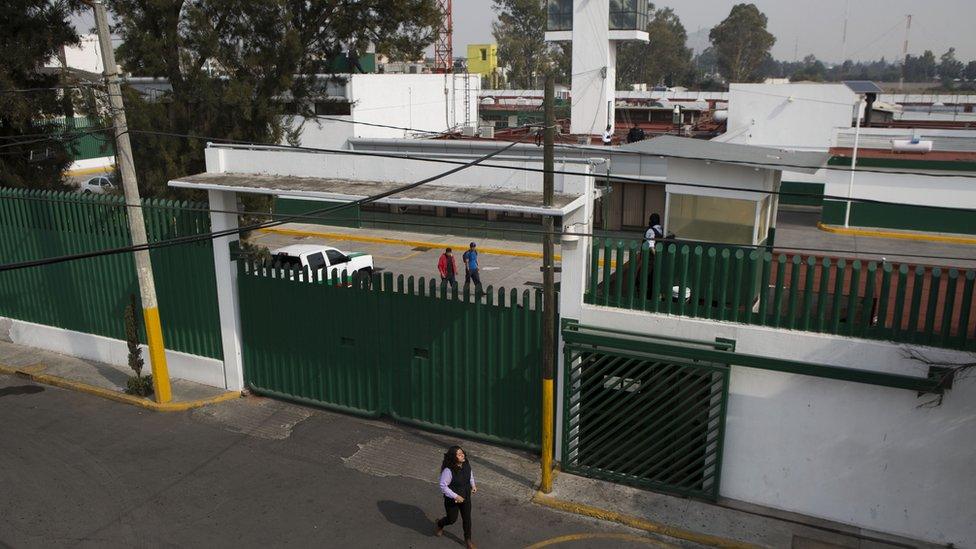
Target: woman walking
{"points": [[457, 484]]}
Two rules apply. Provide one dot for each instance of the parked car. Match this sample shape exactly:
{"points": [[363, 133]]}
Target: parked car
{"points": [[315, 257], [100, 184]]}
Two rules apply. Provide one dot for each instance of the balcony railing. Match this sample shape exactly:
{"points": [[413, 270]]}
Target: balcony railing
{"points": [[885, 301]]}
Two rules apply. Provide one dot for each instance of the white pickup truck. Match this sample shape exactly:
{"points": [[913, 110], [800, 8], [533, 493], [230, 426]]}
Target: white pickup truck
{"points": [[315, 257]]}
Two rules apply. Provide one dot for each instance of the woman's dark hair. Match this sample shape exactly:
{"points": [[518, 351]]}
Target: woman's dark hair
{"points": [[450, 458], [654, 220]]}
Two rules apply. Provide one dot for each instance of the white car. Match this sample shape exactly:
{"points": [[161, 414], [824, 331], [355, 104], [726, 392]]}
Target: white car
{"points": [[97, 185], [315, 257]]}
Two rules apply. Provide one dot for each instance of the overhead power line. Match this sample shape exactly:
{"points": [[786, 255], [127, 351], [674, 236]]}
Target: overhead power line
{"points": [[228, 232]]}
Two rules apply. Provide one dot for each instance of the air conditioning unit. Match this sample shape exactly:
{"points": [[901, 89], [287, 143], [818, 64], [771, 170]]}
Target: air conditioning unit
{"points": [[513, 121], [469, 131], [486, 132]]}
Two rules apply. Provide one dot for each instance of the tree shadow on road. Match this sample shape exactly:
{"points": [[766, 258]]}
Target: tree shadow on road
{"points": [[21, 390]]}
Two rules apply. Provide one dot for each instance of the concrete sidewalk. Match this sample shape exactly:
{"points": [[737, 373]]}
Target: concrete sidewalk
{"points": [[100, 379], [726, 523]]}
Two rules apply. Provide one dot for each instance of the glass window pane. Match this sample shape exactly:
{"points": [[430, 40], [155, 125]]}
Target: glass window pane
{"points": [[316, 261], [560, 15], [711, 219]]}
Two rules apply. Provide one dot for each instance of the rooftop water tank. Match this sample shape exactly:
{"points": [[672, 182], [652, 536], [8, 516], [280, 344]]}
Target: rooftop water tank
{"points": [[911, 145]]}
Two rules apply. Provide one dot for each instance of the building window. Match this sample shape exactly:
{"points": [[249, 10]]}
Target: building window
{"points": [[560, 15], [484, 54], [628, 15], [332, 108], [711, 218]]}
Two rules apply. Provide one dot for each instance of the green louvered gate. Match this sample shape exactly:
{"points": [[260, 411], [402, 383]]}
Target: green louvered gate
{"points": [[643, 419], [400, 347]]}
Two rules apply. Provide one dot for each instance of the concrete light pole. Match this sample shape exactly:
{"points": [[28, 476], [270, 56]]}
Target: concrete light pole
{"points": [[137, 224]]}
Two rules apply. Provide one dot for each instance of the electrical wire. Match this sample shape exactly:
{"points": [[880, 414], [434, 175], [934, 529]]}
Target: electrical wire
{"points": [[353, 152], [227, 232]]}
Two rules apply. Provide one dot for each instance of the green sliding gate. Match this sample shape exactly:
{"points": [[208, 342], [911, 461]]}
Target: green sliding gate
{"points": [[642, 419], [404, 348]]}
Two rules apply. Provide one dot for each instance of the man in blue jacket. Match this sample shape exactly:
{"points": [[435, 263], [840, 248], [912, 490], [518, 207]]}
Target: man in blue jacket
{"points": [[470, 259]]}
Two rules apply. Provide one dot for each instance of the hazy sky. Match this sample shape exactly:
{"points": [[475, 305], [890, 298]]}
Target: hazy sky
{"points": [[875, 27]]}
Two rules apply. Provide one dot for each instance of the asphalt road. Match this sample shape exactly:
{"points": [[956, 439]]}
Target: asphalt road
{"points": [[77, 470]]}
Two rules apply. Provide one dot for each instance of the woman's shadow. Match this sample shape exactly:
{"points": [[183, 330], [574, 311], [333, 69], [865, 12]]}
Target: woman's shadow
{"points": [[412, 517]]}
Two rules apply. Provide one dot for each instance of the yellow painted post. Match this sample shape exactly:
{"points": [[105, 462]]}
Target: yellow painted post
{"points": [[157, 355]]}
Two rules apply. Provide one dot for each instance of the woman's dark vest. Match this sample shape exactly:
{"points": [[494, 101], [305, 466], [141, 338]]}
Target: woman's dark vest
{"points": [[461, 480]]}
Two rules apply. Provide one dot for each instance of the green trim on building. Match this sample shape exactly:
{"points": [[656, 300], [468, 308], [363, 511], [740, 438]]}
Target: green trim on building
{"points": [[937, 165], [901, 216], [357, 218], [812, 193]]}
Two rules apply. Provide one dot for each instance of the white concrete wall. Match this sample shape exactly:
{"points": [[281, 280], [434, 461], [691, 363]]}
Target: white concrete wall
{"points": [[793, 116], [392, 170], [428, 102], [594, 68], [86, 56], [915, 190], [208, 371], [854, 453], [323, 134]]}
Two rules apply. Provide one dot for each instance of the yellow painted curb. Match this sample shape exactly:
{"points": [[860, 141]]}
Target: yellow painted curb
{"points": [[89, 171], [116, 396], [878, 233], [399, 242], [638, 523]]}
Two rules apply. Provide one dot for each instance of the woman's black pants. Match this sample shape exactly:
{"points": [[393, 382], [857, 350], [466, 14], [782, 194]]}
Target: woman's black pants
{"points": [[452, 508]]}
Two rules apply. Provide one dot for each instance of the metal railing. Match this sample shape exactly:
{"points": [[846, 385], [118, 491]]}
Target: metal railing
{"points": [[867, 299]]}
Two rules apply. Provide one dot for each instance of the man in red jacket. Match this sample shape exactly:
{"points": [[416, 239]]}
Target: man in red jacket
{"points": [[448, 268]]}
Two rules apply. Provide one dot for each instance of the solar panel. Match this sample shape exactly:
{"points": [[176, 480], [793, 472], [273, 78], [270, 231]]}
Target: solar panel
{"points": [[862, 86]]}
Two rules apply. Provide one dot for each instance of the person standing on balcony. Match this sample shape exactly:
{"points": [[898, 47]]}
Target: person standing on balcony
{"points": [[608, 136], [448, 268], [635, 134], [457, 484]]}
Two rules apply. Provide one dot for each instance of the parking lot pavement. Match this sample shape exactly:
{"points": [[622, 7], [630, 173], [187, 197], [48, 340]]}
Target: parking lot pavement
{"points": [[499, 271]]}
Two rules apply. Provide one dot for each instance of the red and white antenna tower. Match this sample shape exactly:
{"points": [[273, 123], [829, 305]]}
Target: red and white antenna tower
{"points": [[443, 45]]}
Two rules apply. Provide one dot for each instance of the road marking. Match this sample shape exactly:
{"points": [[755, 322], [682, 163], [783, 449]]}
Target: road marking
{"points": [[877, 233], [578, 537]]}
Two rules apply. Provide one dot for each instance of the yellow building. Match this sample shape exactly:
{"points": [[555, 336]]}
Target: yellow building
{"points": [[482, 59]]}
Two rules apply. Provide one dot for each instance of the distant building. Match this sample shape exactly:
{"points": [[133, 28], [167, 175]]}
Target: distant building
{"points": [[483, 59]]}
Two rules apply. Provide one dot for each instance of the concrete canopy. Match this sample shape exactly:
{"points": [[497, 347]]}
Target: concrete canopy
{"points": [[347, 190], [769, 158]]}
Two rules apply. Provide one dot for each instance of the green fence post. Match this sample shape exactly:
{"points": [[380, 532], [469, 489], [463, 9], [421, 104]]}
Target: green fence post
{"points": [[823, 293], [645, 262], [668, 281], [867, 302], [913, 315], [900, 297], [696, 281], [767, 266], [724, 284], [778, 290], [935, 283], [709, 283], [605, 297], [737, 284], [840, 275], [948, 308], [656, 277], [794, 292], [753, 270], [630, 275], [852, 295], [965, 307], [683, 278], [879, 330]]}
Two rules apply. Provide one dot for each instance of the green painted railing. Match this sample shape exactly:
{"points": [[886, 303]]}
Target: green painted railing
{"points": [[867, 299], [90, 295], [413, 349]]}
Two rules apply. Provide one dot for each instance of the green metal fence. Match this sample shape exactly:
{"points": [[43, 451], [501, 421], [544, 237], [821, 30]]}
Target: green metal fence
{"points": [[886, 301], [645, 420], [90, 295], [408, 348]]}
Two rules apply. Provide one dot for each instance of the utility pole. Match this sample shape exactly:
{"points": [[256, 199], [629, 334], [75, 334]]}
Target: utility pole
{"points": [[548, 288], [904, 53], [137, 225]]}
